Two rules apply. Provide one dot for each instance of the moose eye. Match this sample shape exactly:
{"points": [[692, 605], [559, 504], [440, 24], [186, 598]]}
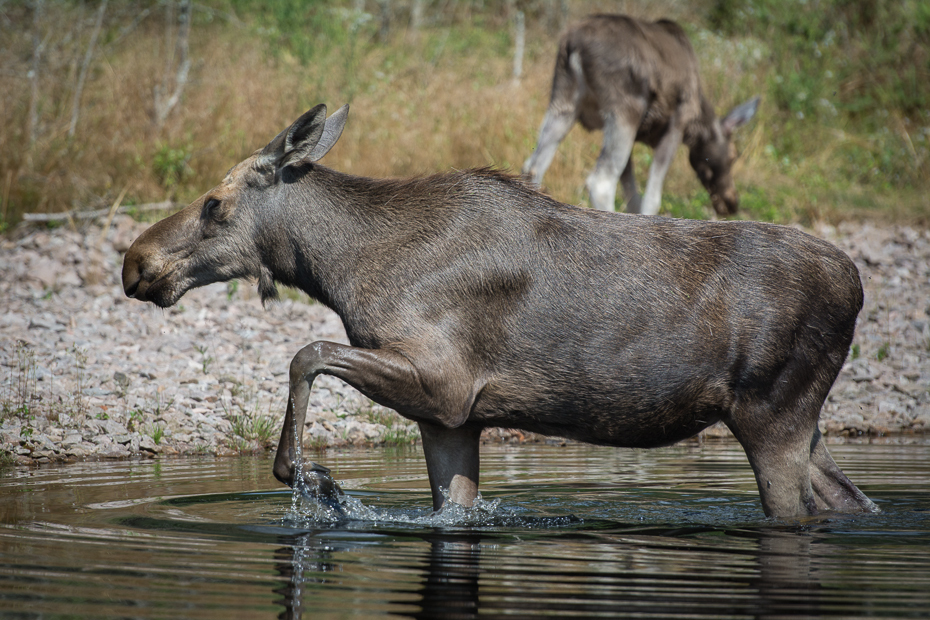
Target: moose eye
{"points": [[211, 208]]}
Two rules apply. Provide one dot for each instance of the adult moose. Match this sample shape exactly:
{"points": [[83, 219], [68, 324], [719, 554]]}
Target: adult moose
{"points": [[639, 82], [471, 300]]}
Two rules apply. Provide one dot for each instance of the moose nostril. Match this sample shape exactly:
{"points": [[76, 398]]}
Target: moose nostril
{"points": [[131, 289]]}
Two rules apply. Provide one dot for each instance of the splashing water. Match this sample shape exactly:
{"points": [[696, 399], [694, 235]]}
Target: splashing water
{"points": [[308, 511]]}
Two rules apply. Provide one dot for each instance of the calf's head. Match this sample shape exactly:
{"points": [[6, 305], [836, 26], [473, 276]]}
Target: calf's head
{"points": [[712, 157], [229, 231]]}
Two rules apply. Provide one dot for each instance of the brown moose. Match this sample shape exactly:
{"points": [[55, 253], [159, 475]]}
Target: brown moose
{"points": [[638, 81], [471, 301]]}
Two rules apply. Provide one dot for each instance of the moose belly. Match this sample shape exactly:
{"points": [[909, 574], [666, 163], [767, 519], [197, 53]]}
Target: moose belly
{"points": [[635, 418]]}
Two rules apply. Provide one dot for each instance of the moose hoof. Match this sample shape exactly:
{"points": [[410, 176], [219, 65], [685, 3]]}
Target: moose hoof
{"points": [[319, 485]]}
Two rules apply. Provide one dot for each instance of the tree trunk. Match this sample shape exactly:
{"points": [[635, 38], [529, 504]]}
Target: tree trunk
{"points": [[79, 87]]}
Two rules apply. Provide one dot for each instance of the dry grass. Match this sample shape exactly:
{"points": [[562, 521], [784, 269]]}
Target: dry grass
{"points": [[438, 99]]}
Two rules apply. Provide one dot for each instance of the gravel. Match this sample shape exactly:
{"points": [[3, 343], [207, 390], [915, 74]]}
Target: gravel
{"points": [[87, 373]]}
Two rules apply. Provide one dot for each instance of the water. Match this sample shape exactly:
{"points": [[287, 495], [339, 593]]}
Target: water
{"points": [[573, 531]]}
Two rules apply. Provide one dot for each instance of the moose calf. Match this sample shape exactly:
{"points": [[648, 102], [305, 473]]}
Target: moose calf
{"points": [[639, 82]]}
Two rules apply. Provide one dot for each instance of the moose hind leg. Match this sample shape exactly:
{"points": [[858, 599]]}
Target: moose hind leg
{"points": [[782, 472], [832, 489], [559, 120]]}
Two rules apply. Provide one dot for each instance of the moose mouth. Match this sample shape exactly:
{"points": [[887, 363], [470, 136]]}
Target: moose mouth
{"points": [[162, 291]]}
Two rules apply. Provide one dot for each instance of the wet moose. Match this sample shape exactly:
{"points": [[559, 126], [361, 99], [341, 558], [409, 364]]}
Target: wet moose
{"points": [[471, 300]]}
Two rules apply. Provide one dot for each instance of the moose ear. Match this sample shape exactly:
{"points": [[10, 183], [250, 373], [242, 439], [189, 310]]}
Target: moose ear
{"points": [[308, 139], [739, 116], [331, 132], [302, 136]]}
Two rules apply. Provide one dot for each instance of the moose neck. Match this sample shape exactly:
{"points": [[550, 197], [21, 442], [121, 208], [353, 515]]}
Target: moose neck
{"points": [[700, 130], [333, 231]]}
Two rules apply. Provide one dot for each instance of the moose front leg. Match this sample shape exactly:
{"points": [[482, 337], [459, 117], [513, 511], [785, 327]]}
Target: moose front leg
{"points": [[451, 462], [662, 158], [388, 378]]}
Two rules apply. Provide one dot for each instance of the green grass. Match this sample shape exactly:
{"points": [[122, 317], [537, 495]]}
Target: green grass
{"points": [[843, 130], [157, 433], [254, 427], [398, 430]]}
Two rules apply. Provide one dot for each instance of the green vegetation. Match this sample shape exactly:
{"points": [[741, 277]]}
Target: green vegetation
{"points": [[843, 130], [398, 430], [22, 397], [252, 428], [23, 377], [205, 360], [157, 433]]}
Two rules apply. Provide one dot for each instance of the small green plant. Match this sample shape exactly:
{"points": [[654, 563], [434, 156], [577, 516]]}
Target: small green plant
{"points": [[883, 351], [205, 360], [250, 425], [232, 287], [397, 430], [6, 458], [80, 377], [401, 435], [159, 406], [157, 433], [855, 351], [171, 166], [22, 382], [135, 419], [317, 443], [254, 427]]}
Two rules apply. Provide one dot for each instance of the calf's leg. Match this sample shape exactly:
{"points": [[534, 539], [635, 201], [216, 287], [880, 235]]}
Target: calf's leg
{"points": [[568, 88], [619, 137], [558, 121], [628, 183], [662, 158]]}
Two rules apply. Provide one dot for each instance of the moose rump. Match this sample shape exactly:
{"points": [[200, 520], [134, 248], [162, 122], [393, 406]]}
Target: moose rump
{"points": [[471, 300]]}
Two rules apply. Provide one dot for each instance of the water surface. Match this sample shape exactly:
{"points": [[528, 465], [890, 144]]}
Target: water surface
{"points": [[566, 531]]}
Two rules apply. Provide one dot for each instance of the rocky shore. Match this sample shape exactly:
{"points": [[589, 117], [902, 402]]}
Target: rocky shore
{"points": [[87, 373]]}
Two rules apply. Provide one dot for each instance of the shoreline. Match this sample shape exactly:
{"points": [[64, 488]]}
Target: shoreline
{"points": [[86, 373]]}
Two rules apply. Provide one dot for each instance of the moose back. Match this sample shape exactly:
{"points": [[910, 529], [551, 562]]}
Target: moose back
{"points": [[471, 300]]}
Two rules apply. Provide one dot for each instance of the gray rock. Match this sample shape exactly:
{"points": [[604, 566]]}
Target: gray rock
{"points": [[144, 369]]}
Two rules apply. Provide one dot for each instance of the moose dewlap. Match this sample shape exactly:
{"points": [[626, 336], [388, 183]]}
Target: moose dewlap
{"points": [[471, 300]]}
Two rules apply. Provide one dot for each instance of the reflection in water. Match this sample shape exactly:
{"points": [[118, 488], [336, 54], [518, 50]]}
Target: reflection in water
{"points": [[777, 579], [674, 534], [304, 559], [450, 583], [448, 589], [785, 575]]}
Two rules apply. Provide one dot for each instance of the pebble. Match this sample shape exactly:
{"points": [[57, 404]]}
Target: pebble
{"points": [[86, 373]]}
